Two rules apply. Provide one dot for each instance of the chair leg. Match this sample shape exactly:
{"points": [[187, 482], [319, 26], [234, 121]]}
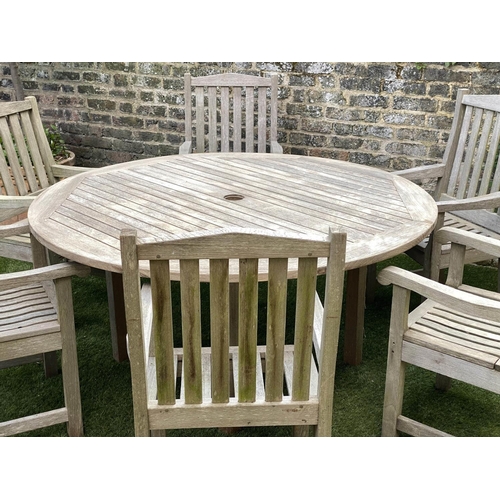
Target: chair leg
{"points": [[50, 365], [393, 398], [301, 431], [395, 375], [442, 383], [69, 358]]}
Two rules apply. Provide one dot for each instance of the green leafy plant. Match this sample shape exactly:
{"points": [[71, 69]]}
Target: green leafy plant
{"points": [[56, 143]]}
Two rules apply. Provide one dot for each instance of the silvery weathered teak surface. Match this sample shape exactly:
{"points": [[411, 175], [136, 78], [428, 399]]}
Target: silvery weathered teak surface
{"points": [[36, 310], [232, 112], [467, 189], [27, 167], [455, 332], [272, 382], [172, 196]]}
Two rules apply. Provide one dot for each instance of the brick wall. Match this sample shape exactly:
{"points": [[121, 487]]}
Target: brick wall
{"points": [[390, 115]]}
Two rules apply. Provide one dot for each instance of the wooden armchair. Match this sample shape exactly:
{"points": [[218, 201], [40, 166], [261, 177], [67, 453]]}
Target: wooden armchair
{"points": [[227, 101], [36, 311], [455, 332], [218, 385], [27, 167], [468, 179]]}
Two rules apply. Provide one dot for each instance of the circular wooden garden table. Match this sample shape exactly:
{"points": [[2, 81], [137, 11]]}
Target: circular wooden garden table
{"points": [[81, 217]]}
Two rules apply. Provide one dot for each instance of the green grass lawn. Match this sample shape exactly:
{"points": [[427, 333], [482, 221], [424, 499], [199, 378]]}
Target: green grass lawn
{"points": [[106, 389]]}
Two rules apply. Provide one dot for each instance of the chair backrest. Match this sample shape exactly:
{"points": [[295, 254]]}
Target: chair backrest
{"points": [[239, 108], [253, 250], [472, 152], [25, 157]]}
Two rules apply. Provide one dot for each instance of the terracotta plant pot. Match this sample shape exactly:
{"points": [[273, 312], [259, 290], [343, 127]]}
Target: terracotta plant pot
{"points": [[70, 160]]}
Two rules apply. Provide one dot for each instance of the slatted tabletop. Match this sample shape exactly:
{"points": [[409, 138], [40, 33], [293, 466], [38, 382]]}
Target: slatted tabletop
{"points": [[81, 218]]}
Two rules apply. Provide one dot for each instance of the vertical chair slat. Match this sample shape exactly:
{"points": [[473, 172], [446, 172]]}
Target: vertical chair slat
{"points": [[7, 185], [34, 152], [490, 162], [219, 329], [318, 323], [247, 329], [41, 138], [179, 359], [469, 156], [187, 106], [249, 110], [163, 330], [276, 324], [200, 120], [206, 368], [212, 119], [149, 344], [274, 108], [260, 393], [234, 369], [304, 322], [261, 120], [191, 329], [478, 161], [23, 154], [288, 364], [237, 119], [10, 149], [288, 367], [224, 119], [462, 143]]}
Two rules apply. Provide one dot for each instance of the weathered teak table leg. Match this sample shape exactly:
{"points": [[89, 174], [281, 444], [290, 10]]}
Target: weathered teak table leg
{"points": [[118, 325], [355, 315]]}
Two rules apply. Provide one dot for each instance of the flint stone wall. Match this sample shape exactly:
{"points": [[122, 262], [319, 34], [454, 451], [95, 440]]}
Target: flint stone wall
{"points": [[389, 115]]}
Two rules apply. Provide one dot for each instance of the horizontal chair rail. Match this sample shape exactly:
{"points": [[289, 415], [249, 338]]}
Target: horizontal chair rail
{"points": [[233, 414], [14, 107], [34, 422], [414, 428]]}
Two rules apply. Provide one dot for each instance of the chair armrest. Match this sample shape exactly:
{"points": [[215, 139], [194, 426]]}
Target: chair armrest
{"points": [[484, 244], [16, 228], [68, 171], [485, 201], [39, 274], [10, 202], [276, 148], [185, 148], [466, 302], [424, 172]]}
